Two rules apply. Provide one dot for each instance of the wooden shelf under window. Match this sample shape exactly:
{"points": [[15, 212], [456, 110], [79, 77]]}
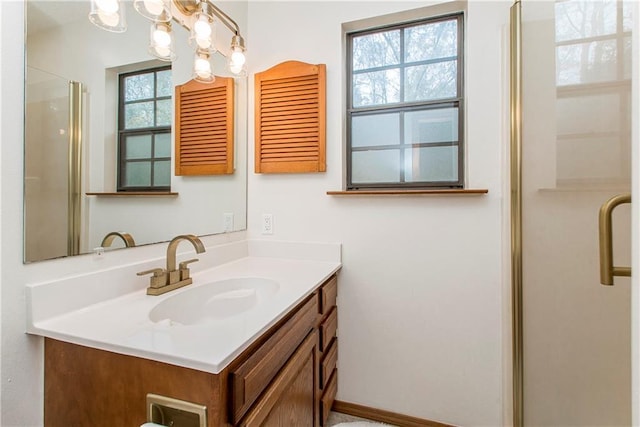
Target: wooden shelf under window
{"points": [[421, 192], [135, 194]]}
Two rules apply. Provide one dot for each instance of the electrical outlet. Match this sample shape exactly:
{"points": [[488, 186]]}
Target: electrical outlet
{"points": [[228, 222], [267, 224]]}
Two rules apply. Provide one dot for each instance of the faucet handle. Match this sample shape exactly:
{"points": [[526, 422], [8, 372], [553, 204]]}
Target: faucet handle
{"points": [[157, 272], [159, 278], [184, 270], [183, 264]]}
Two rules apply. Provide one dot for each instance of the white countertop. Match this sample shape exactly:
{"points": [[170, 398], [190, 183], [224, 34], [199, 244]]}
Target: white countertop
{"points": [[122, 324]]}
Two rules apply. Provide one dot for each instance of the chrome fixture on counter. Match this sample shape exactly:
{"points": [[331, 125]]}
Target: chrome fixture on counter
{"points": [[198, 16], [126, 238], [163, 281]]}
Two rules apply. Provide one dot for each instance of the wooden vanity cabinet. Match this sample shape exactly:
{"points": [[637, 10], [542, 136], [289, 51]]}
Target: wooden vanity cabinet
{"points": [[328, 347], [287, 377], [284, 401], [248, 376]]}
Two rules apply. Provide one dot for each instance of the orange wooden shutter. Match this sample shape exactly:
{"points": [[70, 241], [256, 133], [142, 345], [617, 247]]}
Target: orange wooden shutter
{"points": [[204, 127], [290, 118]]}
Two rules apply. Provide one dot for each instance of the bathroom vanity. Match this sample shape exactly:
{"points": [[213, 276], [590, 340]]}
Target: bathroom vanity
{"points": [[262, 366]]}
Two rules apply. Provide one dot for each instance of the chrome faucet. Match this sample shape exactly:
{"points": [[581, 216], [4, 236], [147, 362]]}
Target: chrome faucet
{"points": [[172, 278], [126, 238]]}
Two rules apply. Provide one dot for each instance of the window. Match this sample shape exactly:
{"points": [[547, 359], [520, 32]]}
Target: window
{"points": [[405, 105], [144, 123]]}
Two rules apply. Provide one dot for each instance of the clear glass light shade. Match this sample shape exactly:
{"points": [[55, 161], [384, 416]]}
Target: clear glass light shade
{"points": [[203, 67], [161, 41], [203, 32], [237, 61], [155, 10], [108, 15]]}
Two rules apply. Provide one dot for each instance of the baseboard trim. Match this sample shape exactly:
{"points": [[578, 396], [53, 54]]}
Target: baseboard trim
{"points": [[382, 416]]}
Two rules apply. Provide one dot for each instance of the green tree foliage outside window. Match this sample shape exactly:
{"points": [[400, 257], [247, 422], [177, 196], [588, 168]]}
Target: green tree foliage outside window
{"points": [[405, 105]]}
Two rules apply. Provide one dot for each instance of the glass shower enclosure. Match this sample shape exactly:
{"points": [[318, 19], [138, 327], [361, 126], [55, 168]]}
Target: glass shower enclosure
{"points": [[52, 193], [572, 343]]}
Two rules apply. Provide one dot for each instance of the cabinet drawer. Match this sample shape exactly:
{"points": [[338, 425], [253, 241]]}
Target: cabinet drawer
{"points": [[328, 295], [329, 395], [328, 329], [250, 378], [328, 364]]}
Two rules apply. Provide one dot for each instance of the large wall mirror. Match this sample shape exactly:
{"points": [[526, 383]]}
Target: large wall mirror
{"points": [[72, 70]]}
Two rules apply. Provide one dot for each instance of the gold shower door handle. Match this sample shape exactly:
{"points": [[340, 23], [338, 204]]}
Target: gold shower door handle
{"points": [[607, 270]]}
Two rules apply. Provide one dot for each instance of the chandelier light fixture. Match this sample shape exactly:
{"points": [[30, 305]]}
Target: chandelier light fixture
{"points": [[198, 16]]}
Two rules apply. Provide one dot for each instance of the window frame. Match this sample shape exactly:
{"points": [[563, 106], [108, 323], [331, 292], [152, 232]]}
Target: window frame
{"points": [[402, 107], [152, 130]]}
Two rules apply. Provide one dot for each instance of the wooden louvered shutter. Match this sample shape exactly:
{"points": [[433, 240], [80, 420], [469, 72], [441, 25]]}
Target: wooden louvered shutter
{"points": [[290, 118], [204, 127]]}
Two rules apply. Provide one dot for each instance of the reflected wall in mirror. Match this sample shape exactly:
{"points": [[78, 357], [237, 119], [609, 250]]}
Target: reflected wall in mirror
{"points": [[62, 46]]}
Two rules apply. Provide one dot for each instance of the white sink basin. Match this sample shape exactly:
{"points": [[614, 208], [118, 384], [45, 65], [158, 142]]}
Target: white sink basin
{"points": [[215, 300]]}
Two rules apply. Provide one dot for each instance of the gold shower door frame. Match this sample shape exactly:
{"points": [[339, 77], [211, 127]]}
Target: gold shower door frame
{"points": [[75, 168]]}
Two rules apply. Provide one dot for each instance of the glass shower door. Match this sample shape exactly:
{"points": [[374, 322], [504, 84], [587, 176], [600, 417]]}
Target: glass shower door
{"points": [[576, 155], [52, 155]]}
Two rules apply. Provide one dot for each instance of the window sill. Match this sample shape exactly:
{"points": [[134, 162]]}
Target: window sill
{"points": [[434, 192], [594, 189], [135, 194]]}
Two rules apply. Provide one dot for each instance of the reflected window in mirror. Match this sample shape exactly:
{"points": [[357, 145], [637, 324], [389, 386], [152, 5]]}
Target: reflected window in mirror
{"points": [[144, 124], [593, 95]]}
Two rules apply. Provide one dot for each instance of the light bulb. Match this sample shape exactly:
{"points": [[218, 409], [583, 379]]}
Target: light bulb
{"points": [[107, 7], [161, 38], [202, 68], [109, 19], [161, 42], [235, 68], [154, 10], [202, 28], [237, 57], [162, 51], [202, 33], [108, 15], [203, 43], [154, 7]]}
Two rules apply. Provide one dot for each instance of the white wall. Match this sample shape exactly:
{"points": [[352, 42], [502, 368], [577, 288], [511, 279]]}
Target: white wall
{"points": [[20, 360], [420, 298]]}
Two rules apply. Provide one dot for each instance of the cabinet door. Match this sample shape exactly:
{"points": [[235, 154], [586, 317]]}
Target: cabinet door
{"points": [[290, 399], [254, 374]]}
